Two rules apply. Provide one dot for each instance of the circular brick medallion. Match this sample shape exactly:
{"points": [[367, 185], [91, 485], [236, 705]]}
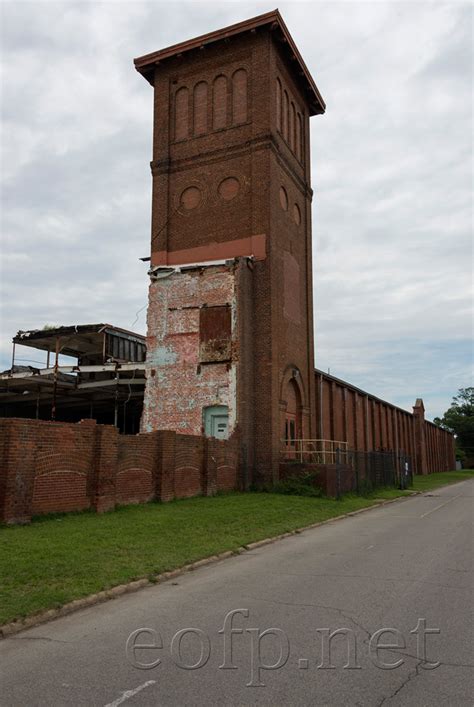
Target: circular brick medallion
{"points": [[297, 214], [190, 198], [229, 188], [283, 199]]}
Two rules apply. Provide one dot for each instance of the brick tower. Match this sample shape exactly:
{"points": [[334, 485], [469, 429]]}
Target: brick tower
{"points": [[230, 317]]}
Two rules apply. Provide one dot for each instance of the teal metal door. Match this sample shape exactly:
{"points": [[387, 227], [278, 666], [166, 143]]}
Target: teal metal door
{"points": [[216, 421]]}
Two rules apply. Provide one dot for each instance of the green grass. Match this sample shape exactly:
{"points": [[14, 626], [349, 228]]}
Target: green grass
{"points": [[60, 558], [57, 559], [434, 481]]}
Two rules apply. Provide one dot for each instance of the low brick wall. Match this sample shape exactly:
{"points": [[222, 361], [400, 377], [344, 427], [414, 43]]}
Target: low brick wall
{"points": [[51, 467]]}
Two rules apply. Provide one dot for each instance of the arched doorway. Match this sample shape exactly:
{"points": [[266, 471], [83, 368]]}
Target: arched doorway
{"points": [[292, 431]]}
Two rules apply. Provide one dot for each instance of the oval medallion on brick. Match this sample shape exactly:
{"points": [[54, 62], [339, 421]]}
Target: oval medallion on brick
{"points": [[191, 198], [283, 199], [229, 188]]}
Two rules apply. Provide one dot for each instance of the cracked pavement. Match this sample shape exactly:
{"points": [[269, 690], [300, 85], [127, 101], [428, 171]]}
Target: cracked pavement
{"points": [[385, 569]]}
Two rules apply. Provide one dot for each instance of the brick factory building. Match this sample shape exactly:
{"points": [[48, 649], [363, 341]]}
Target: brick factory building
{"points": [[230, 346], [231, 395]]}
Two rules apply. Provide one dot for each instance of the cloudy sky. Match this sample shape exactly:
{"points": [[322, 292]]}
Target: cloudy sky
{"points": [[392, 164]]}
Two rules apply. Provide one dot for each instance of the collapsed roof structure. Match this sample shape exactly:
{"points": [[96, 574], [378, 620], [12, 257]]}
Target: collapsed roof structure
{"points": [[106, 382]]}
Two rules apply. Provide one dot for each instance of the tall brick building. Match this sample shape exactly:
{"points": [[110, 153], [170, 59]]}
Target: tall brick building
{"points": [[230, 318], [230, 348]]}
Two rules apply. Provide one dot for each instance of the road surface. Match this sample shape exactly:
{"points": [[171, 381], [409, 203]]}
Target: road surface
{"points": [[404, 567]]}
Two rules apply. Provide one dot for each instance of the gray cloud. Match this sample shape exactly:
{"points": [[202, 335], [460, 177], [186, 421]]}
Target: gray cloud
{"points": [[392, 161]]}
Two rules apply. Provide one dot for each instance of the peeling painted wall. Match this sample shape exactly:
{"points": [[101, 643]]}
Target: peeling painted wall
{"points": [[181, 381]]}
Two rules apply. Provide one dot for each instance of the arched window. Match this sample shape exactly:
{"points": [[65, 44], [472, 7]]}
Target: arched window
{"points": [[278, 105], [292, 430], [200, 108], [292, 126], [219, 103], [299, 137], [286, 110], [239, 96], [181, 114]]}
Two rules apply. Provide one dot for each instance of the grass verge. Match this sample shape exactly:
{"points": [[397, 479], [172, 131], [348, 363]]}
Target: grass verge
{"points": [[57, 559], [434, 481], [60, 558]]}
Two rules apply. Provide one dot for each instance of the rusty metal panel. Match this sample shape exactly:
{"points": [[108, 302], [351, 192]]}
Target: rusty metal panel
{"points": [[215, 334]]}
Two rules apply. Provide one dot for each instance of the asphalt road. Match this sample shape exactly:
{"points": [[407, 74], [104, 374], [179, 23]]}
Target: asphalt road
{"points": [[405, 567]]}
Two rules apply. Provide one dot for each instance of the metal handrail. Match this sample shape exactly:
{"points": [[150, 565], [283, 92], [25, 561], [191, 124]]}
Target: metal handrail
{"points": [[320, 451]]}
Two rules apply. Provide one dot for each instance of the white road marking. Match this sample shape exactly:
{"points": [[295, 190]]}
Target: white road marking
{"points": [[130, 693], [441, 505]]}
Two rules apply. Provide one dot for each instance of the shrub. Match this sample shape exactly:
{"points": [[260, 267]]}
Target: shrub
{"points": [[303, 485]]}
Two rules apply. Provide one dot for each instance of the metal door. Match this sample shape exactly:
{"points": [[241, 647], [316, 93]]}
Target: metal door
{"points": [[216, 421]]}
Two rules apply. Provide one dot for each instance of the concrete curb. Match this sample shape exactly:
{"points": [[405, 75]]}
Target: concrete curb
{"points": [[14, 627]]}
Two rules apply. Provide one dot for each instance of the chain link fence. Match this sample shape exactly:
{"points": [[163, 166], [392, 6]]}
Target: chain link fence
{"points": [[372, 470]]}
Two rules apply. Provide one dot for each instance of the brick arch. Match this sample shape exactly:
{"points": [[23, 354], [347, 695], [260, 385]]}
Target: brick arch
{"points": [[200, 94], [219, 102], [299, 136], [291, 410], [292, 125], [292, 402], [286, 116], [279, 104], [239, 96], [49, 461], [181, 113], [292, 372]]}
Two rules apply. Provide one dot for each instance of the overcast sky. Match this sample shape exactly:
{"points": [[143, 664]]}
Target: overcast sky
{"points": [[391, 161]]}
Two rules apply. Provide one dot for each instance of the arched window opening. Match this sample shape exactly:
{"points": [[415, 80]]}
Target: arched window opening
{"points": [[219, 103], [292, 126], [299, 137], [292, 431], [200, 108], [181, 114], [239, 97], [278, 105], [286, 110]]}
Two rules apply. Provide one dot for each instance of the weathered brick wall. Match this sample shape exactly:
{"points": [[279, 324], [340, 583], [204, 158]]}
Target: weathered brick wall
{"points": [[179, 383], [62, 461], [224, 455], [136, 463], [51, 467], [188, 465]]}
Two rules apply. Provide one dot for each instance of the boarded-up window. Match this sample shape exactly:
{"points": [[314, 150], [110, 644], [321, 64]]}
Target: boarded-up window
{"points": [[278, 106], [239, 96], [219, 103], [299, 137], [292, 126], [181, 114], [200, 108], [215, 334], [286, 111]]}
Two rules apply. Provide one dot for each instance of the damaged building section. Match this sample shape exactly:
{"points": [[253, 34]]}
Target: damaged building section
{"points": [[105, 382], [193, 348]]}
